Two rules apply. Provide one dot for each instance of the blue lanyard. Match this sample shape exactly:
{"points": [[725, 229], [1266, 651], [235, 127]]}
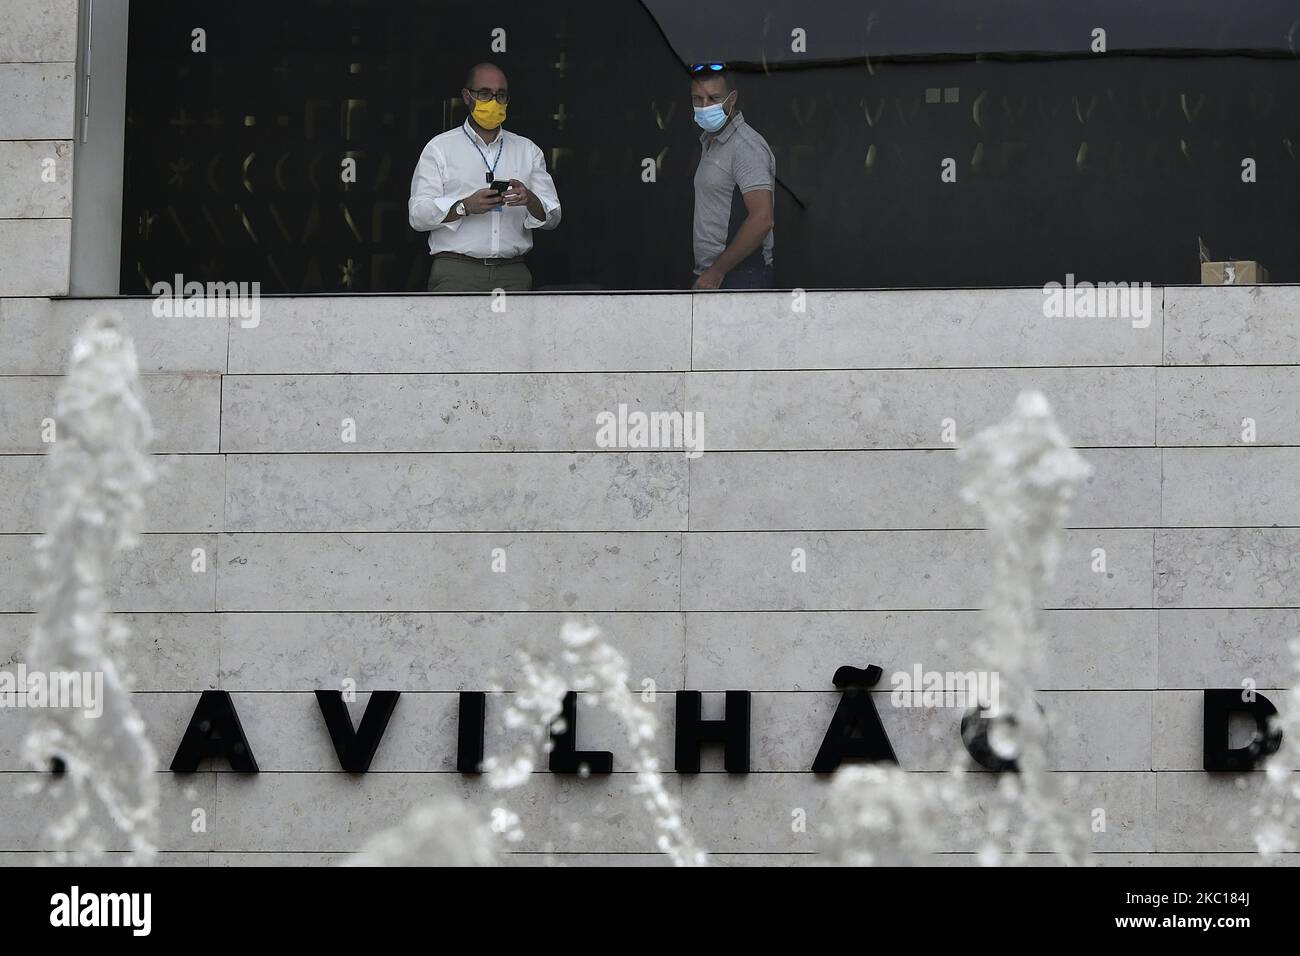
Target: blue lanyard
{"points": [[501, 142]]}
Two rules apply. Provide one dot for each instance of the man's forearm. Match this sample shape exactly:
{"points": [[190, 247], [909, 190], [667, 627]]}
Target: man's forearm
{"points": [[426, 214], [749, 237], [535, 207]]}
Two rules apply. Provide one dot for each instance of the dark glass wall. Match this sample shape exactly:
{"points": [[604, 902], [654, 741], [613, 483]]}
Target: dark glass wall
{"points": [[1108, 166]]}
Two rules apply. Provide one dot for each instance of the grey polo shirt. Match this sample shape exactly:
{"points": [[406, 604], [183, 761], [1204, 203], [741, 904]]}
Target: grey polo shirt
{"points": [[733, 161]]}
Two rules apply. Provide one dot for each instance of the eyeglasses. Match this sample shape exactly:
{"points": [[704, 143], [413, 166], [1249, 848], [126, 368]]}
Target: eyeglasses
{"points": [[501, 96], [708, 67]]}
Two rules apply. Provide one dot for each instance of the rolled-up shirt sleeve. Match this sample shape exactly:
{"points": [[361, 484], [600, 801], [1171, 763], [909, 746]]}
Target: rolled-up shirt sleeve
{"points": [[541, 185], [428, 206]]}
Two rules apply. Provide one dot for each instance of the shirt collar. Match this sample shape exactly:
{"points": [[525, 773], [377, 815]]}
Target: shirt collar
{"points": [[721, 136], [478, 140]]}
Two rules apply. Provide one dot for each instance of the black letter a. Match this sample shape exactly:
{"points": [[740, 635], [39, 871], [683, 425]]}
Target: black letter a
{"points": [[214, 731], [855, 730]]}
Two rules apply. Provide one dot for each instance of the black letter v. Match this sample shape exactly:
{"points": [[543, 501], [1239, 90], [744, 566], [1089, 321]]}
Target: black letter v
{"points": [[356, 748]]}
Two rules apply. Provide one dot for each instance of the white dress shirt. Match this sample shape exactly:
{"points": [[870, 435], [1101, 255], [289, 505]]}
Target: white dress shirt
{"points": [[455, 164]]}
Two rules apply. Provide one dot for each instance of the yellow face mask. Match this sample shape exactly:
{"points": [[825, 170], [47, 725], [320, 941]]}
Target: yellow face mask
{"points": [[489, 115]]}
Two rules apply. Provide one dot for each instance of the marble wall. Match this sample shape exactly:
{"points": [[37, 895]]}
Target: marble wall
{"points": [[475, 430], [38, 50]]}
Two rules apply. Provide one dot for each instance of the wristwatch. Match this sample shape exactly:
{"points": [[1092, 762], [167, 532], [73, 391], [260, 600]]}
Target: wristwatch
{"points": [[460, 209]]}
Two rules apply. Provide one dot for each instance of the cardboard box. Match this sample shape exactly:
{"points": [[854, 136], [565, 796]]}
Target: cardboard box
{"points": [[1242, 272]]}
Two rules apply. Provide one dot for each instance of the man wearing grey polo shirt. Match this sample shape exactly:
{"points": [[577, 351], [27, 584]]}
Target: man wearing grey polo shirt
{"points": [[734, 184]]}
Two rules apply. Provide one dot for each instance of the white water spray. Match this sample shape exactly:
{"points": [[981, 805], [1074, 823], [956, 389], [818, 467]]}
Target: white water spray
{"points": [[1024, 478], [882, 815], [1278, 805], [586, 665], [98, 470], [1024, 475], [439, 833], [592, 666]]}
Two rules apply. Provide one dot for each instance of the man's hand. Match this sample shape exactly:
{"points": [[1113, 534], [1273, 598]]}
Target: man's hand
{"points": [[518, 194], [485, 200], [709, 279]]}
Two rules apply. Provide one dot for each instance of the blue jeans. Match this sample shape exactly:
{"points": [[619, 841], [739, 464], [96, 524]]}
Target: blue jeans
{"points": [[749, 277]]}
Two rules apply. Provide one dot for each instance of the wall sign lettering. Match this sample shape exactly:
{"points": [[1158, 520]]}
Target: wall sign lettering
{"points": [[855, 732]]}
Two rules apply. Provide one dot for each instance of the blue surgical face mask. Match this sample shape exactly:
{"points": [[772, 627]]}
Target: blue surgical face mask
{"points": [[711, 118]]}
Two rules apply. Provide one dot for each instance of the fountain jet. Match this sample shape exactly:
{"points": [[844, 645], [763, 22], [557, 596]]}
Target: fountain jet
{"points": [[99, 771]]}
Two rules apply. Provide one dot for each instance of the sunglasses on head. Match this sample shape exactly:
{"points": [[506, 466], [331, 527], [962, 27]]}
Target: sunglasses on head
{"points": [[708, 67]]}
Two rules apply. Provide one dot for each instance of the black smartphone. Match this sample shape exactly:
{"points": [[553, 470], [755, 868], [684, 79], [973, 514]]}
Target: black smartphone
{"points": [[500, 186]]}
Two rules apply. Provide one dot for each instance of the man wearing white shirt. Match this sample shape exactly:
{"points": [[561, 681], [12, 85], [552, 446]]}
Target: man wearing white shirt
{"points": [[478, 235]]}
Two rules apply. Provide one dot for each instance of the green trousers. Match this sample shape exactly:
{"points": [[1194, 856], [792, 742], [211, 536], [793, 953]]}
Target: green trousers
{"points": [[461, 275]]}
